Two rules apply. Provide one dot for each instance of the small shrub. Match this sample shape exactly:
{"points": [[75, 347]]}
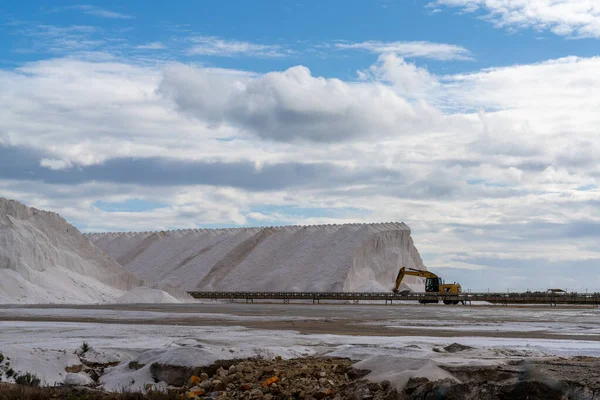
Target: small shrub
{"points": [[85, 347], [28, 379], [135, 365], [10, 372], [1, 357]]}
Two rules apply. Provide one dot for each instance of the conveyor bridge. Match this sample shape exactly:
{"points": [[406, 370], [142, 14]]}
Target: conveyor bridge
{"points": [[389, 298]]}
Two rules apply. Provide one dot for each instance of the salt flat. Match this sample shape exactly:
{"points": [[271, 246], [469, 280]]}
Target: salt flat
{"points": [[42, 339]]}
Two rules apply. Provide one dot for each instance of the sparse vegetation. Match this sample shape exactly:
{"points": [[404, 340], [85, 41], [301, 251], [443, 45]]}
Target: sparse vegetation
{"points": [[27, 379], [18, 392], [4, 366], [135, 365], [85, 347]]}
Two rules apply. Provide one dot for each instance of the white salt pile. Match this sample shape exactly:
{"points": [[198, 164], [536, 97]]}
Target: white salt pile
{"points": [[43, 259], [146, 295], [351, 257]]}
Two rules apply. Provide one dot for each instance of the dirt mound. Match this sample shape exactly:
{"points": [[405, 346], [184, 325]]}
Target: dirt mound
{"points": [[537, 380], [456, 347], [523, 390]]}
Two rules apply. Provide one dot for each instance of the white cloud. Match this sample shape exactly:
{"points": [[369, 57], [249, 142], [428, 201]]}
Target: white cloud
{"points": [[60, 39], [407, 79], [99, 12], [574, 82], [87, 112], [579, 18], [294, 105], [550, 106], [152, 46], [417, 49], [55, 164], [215, 46]]}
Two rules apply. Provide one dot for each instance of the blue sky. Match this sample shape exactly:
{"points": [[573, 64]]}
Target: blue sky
{"points": [[474, 122], [302, 28]]}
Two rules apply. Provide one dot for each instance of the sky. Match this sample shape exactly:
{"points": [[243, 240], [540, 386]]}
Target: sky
{"points": [[476, 122]]}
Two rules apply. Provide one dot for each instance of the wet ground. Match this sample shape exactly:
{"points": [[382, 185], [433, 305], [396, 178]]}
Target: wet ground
{"points": [[567, 323]]}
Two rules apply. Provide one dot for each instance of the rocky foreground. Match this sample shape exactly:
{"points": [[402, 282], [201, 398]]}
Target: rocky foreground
{"points": [[316, 378], [332, 378], [304, 378]]}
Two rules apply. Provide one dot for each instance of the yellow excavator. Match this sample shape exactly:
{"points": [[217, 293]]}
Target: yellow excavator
{"points": [[433, 285]]}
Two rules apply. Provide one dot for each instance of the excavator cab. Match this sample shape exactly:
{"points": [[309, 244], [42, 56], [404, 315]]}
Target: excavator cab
{"points": [[433, 285]]}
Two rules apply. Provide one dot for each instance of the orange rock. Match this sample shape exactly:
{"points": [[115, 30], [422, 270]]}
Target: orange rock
{"points": [[270, 381], [195, 393], [195, 380]]}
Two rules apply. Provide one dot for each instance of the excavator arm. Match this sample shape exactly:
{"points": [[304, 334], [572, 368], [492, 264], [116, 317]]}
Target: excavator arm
{"points": [[411, 272]]}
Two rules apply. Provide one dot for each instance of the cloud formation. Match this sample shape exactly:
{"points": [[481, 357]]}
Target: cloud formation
{"points": [[215, 46], [99, 12], [293, 105], [151, 46], [22, 164], [574, 18], [414, 49], [406, 78], [60, 39], [496, 163]]}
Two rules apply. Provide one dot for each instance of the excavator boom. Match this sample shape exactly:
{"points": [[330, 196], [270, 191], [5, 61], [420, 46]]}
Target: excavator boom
{"points": [[411, 272]]}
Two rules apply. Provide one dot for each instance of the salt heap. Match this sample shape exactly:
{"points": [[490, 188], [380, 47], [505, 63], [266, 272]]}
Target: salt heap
{"points": [[350, 257], [43, 259]]}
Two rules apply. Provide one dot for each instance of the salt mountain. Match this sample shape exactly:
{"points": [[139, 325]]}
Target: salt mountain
{"points": [[350, 257], [43, 259]]}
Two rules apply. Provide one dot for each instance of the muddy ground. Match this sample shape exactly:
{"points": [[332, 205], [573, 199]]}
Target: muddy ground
{"points": [[535, 322]]}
